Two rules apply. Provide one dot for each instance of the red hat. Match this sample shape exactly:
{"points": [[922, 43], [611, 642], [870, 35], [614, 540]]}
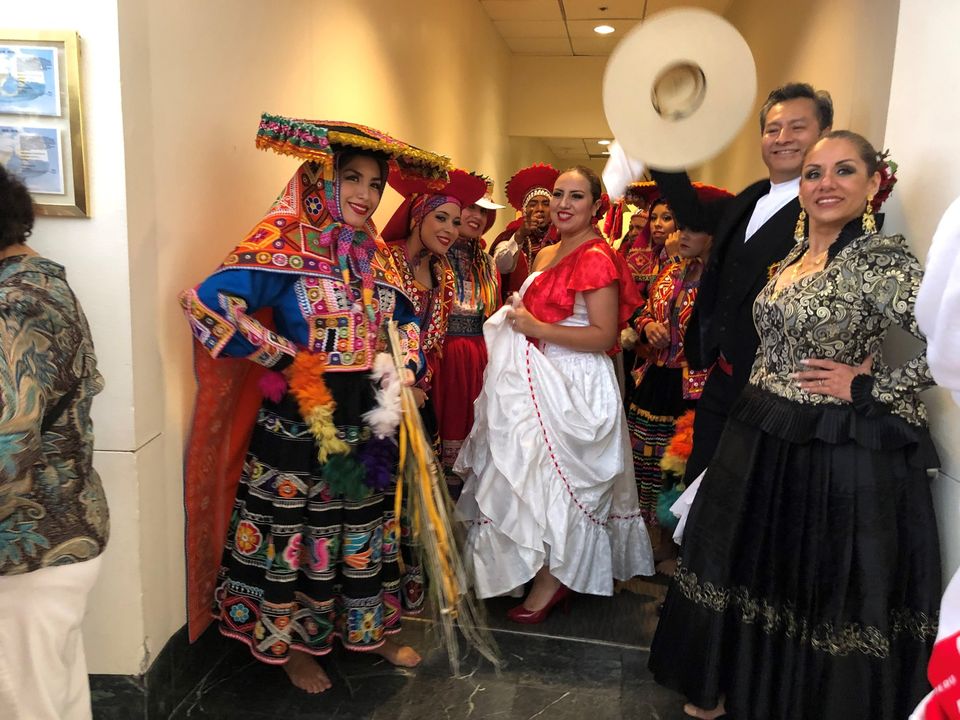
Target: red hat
{"points": [[463, 188], [540, 176], [705, 220], [647, 189]]}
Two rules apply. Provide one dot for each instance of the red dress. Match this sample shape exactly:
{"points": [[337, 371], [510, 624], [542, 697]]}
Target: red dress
{"points": [[459, 376]]}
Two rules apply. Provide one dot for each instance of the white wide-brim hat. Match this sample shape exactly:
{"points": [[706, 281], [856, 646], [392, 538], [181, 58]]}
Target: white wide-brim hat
{"points": [[677, 89]]}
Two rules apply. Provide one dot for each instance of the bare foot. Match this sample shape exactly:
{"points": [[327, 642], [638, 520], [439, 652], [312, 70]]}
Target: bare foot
{"points": [[305, 673], [698, 712], [397, 654]]}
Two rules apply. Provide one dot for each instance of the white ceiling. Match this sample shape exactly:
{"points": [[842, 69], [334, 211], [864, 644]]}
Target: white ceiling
{"points": [[565, 27], [573, 150]]}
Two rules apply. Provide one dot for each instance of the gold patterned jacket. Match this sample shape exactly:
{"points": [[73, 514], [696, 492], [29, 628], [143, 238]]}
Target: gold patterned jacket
{"points": [[843, 313]]}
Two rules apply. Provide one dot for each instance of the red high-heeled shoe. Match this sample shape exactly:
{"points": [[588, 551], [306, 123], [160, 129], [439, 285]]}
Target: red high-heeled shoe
{"points": [[520, 614]]}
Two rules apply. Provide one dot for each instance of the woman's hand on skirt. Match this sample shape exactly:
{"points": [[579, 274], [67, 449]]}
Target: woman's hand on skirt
{"points": [[522, 321], [827, 377]]}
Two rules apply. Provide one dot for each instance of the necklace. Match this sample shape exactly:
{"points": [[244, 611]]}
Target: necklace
{"points": [[800, 269]]}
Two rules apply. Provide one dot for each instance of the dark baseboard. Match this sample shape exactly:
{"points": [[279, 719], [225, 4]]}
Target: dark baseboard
{"points": [[169, 682]]}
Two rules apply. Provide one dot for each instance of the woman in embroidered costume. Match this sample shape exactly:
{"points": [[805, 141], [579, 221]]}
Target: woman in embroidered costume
{"points": [[311, 545], [419, 235], [642, 246], [548, 492], [645, 258], [477, 296], [809, 574], [664, 386]]}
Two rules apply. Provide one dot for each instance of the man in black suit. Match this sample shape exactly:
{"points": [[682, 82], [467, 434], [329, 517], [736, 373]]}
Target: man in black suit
{"points": [[752, 233]]}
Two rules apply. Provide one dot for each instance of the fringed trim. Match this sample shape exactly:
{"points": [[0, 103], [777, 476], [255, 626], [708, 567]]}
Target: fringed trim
{"points": [[311, 140]]}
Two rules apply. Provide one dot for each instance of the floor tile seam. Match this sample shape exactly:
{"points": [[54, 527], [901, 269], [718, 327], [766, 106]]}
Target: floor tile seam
{"points": [[565, 638]]}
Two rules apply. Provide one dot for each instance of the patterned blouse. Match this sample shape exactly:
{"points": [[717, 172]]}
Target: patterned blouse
{"points": [[52, 507], [842, 313], [431, 305], [644, 264], [477, 287], [671, 301]]}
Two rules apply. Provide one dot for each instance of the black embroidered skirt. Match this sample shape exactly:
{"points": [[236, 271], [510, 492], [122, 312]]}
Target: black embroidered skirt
{"points": [[652, 412], [303, 564], [809, 580]]}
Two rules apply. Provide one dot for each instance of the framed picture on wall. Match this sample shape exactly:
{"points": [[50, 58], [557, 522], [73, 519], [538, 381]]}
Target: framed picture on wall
{"points": [[41, 121]]}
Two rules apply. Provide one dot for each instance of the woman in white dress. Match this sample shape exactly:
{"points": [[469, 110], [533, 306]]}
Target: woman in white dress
{"points": [[549, 493]]}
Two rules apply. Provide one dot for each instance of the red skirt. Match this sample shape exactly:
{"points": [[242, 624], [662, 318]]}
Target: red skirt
{"points": [[456, 385]]}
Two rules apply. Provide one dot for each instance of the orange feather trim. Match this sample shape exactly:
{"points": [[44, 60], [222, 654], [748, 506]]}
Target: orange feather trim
{"points": [[316, 404], [681, 444]]}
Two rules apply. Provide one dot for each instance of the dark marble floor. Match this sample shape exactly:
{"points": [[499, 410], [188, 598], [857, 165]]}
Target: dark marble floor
{"points": [[590, 663]]}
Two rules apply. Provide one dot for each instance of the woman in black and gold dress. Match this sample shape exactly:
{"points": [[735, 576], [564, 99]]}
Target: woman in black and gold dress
{"points": [[810, 569]]}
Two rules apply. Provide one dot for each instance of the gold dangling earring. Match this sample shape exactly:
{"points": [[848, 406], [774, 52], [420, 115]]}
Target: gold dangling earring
{"points": [[800, 230], [869, 222]]}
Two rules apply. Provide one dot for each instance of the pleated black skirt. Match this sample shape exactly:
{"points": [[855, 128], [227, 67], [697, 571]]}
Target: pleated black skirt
{"points": [[809, 579]]}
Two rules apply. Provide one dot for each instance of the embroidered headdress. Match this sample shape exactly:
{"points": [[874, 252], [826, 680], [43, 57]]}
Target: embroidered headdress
{"points": [[304, 232], [644, 189], [531, 182], [419, 199]]}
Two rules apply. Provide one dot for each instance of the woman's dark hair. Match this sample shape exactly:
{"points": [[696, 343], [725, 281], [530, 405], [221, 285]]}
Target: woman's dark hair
{"points": [[822, 102], [865, 150], [347, 154], [660, 201], [16, 210], [596, 190]]}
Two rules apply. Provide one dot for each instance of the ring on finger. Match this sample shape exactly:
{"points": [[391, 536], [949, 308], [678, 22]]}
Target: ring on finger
{"points": [[821, 382]]}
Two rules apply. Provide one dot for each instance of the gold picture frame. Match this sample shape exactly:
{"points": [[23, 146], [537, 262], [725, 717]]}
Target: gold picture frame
{"points": [[41, 118]]}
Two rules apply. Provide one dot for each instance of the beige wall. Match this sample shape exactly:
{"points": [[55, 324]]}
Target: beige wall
{"points": [[924, 108], [557, 97], [844, 47]]}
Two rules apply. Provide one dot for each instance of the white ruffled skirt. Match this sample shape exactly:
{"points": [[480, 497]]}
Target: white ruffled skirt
{"points": [[548, 471]]}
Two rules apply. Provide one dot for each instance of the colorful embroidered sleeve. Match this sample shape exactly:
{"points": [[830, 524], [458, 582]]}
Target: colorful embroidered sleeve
{"points": [[408, 328], [220, 313], [657, 307], [891, 281]]}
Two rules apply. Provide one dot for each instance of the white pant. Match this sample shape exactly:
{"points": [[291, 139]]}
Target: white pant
{"points": [[43, 671]]}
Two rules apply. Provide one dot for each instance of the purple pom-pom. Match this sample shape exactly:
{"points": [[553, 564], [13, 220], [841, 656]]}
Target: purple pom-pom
{"points": [[379, 456], [272, 385]]}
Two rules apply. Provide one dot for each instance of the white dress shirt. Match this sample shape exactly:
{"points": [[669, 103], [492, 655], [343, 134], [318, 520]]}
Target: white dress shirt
{"points": [[771, 203]]}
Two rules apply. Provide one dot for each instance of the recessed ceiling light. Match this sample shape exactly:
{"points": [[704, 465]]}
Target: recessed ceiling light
{"points": [[603, 142], [604, 29]]}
